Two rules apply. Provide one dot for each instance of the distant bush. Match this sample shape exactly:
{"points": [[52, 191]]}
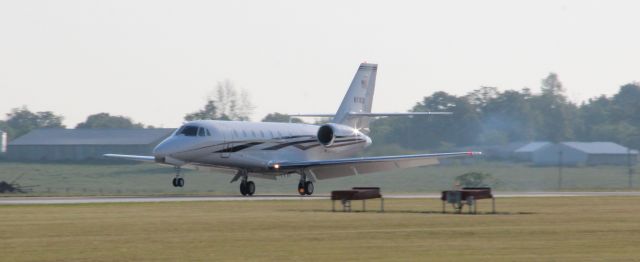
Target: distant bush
{"points": [[475, 179]]}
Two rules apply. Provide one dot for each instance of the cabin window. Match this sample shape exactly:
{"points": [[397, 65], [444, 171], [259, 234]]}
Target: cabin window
{"points": [[261, 134], [188, 131], [244, 133], [271, 133], [253, 133]]}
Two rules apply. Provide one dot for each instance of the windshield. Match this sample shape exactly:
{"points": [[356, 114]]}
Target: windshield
{"points": [[191, 130], [188, 131]]}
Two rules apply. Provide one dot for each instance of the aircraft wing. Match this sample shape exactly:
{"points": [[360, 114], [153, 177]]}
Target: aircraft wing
{"points": [[193, 166], [132, 157], [325, 169]]}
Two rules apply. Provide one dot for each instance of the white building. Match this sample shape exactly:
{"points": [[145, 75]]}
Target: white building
{"points": [[583, 153], [525, 153], [83, 144], [3, 142]]}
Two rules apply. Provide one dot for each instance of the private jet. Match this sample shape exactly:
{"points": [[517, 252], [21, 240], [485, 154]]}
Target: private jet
{"points": [[265, 150]]}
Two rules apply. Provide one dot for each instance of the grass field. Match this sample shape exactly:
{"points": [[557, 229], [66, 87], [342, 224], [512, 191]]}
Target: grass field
{"points": [[115, 179], [525, 229]]}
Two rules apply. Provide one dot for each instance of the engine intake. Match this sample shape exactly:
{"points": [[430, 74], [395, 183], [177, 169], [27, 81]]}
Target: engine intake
{"points": [[326, 136], [328, 133]]}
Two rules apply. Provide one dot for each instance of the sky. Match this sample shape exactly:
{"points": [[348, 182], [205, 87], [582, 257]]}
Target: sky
{"points": [[155, 61]]}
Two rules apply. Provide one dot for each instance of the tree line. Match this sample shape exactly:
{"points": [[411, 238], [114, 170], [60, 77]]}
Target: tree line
{"points": [[21, 120], [485, 116]]}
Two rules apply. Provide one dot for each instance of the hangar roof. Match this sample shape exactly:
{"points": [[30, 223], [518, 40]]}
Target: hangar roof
{"points": [[599, 147], [58, 136], [532, 147]]}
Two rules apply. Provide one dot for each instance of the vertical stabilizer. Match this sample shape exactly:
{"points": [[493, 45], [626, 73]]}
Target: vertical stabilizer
{"points": [[359, 98]]}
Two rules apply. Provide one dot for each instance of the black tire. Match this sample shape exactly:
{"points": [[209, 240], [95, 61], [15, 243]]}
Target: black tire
{"points": [[243, 188], [174, 182], [251, 188], [308, 187], [301, 190], [180, 182]]}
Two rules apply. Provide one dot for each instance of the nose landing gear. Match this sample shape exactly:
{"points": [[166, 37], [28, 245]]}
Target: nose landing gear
{"points": [[177, 181]]}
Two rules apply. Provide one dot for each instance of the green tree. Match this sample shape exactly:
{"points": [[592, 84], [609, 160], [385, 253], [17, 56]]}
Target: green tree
{"points": [[508, 114], [483, 96], [626, 104], [208, 112], [228, 104], [557, 114], [552, 87], [475, 179], [105, 120], [459, 129], [594, 114], [20, 121], [277, 117], [438, 132]]}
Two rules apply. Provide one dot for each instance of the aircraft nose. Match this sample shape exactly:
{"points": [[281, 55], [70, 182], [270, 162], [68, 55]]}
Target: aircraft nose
{"points": [[163, 149]]}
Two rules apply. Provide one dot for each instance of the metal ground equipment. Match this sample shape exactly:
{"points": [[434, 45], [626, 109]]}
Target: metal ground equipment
{"points": [[357, 193], [467, 196]]}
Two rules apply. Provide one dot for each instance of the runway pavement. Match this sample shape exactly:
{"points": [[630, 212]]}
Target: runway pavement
{"points": [[150, 199]]}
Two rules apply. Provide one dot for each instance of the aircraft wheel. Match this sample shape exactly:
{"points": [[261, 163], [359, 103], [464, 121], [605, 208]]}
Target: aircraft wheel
{"points": [[301, 189], [243, 188], [180, 182], [251, 188], [174, 182], [308, 187]]}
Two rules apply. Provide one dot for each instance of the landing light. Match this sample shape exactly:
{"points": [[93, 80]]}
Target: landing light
{"points": [[276, 166]]}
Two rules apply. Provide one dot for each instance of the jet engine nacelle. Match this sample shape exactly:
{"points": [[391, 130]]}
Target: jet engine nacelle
{"points": [[328, 133]]}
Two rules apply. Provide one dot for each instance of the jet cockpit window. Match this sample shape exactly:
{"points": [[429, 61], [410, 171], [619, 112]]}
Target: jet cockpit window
{"points": [[201, 132], [188, 131], [208, 133]]}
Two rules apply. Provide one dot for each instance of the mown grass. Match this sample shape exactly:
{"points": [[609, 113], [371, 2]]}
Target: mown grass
{"points": [[115, 179], [525, 229]]}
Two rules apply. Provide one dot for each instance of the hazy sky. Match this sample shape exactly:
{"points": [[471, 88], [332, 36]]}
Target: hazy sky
{"points": [[155, 60]]}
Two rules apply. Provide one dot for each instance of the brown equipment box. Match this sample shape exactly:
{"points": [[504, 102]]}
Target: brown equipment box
{"points": [[468, 196], [465, 193], [356, 193]]}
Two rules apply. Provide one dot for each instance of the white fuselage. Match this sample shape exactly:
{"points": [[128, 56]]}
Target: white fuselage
{"points": [[252, 146]]}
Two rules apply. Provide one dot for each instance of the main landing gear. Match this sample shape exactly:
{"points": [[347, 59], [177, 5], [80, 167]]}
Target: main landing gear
{"points": [[178, 181], [305, 188], [247, 188]]}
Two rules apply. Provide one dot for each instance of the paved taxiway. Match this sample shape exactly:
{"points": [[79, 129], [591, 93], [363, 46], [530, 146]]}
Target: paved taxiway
{"points": [[151, 199]]}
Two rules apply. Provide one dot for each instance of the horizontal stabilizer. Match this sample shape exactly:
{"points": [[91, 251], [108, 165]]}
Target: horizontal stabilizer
{"points": [[400, 114], [353, 114]]}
